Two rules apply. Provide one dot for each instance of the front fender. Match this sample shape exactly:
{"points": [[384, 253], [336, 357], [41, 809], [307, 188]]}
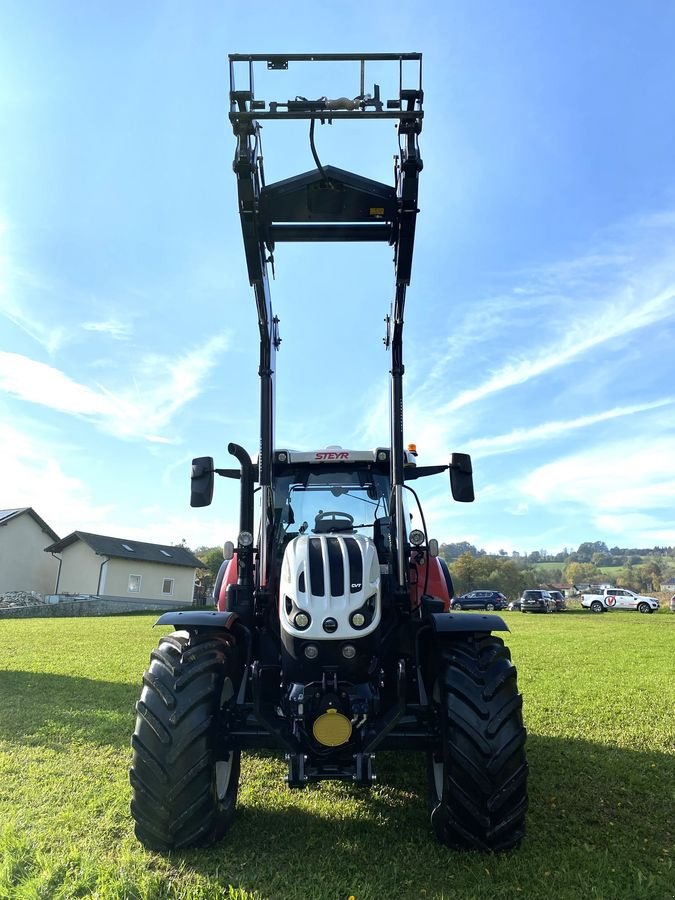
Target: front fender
{"points": [[198, 618], [449, 622]]}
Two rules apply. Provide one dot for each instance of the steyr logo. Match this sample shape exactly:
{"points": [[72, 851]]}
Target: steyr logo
{"points": [[331, 454]]}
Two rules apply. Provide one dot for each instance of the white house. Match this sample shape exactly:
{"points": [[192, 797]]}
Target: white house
{"points": [[23, 565], [119, 568]]}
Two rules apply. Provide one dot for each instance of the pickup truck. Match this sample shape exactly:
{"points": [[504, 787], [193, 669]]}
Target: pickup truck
{"points": [[602, 599]]}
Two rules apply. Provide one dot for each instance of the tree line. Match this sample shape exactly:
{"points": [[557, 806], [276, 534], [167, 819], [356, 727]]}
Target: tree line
{"points": [[639, 570]]}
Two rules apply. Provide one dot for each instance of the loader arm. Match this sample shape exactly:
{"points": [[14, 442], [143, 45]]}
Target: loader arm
{"points": [[327, 204]]}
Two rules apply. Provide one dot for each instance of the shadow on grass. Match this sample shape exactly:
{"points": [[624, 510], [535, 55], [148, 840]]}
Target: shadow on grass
{"points": [[50, 710], [599, 820], [598, 815]]}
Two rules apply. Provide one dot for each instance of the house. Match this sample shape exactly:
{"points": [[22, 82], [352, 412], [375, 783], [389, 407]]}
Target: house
{"points": [[567, 590], [23, 565], [117, 568]]}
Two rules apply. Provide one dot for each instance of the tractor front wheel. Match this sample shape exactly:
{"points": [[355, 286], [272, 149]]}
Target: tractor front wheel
{"points": [[184, 781], [477, 774]]}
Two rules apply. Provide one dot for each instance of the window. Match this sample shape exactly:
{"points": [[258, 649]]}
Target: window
{"points": [[134, 584], [127, 547], [167, 586], [166, 553]]}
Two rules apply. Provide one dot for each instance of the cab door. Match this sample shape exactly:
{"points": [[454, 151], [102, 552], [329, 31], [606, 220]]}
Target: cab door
{"points": [[624, 600]]}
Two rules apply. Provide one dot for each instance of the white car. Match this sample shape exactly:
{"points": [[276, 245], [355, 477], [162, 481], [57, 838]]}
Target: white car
{"points": [[619, 598]]}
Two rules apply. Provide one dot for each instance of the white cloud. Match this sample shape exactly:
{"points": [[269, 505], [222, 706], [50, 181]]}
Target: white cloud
{"points": [[161, 387], [31, 477], [620, 478], [37, 382]]}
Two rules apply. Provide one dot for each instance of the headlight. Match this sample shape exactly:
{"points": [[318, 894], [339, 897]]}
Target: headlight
{"points": [[245, 538], [301, 620], [363, 616], [416, 537]]}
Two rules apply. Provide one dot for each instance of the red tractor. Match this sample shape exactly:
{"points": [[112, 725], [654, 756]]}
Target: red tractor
{"points": [[332, 635]]}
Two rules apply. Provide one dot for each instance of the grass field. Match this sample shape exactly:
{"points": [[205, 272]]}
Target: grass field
{"points": [[598, 703]]}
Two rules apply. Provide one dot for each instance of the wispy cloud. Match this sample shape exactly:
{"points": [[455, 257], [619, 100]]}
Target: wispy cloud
{"points": [[113, 327], [521, 437], [12, 280], [618, 317], [161, 387], [622, 284]]}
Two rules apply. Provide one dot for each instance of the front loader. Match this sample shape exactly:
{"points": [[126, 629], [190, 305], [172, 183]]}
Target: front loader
{"points": [[332, 636]]}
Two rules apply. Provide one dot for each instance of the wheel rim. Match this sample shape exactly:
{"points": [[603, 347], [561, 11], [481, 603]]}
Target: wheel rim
{"points": [[223, 776], [457, 605], [489, 606], [643, 608]]}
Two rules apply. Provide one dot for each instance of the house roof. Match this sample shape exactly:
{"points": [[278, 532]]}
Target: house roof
{"points": [[123, 548], [6, 515]]}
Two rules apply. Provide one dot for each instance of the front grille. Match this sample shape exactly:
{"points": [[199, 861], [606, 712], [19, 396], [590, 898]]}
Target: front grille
{"points": [[337, 550]]}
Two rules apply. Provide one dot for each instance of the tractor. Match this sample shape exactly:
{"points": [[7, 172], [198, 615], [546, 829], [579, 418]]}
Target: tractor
{"points": [[331, 635]]}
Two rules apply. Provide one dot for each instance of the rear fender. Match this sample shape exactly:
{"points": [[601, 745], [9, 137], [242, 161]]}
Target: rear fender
{"points": [[452, 622]]}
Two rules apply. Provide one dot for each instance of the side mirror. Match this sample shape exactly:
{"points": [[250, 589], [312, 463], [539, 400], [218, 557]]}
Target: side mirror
{"points": [[433, 547], [228, 550], [201, 481], [461, 478]]}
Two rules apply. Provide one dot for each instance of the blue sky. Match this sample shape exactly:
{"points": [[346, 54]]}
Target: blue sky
{"points": [[540, 322]]}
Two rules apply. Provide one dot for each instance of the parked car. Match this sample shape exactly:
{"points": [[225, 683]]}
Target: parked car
{"points": [[537, 601], [480, 600], [606, 598], [559, 600], [672, 603]]}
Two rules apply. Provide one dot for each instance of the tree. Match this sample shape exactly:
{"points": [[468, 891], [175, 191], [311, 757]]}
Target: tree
{"points": [[588, 548], [451, 552], [212, 558], [582, 573], [464, 573]]}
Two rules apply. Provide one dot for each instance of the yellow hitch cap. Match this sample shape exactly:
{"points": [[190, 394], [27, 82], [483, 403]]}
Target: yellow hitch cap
{"points": [[332, 728]]}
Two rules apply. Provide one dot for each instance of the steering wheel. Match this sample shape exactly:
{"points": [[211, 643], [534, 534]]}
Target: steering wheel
{"points": [[333, 520]]}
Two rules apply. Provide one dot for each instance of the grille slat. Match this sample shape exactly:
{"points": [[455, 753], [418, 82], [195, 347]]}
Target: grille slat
{"points": [[355, 565], [335, 567], [316, 580]]}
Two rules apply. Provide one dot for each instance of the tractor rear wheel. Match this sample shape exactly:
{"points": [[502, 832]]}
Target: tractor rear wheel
{"points": [[184, 785], [477, 774]]}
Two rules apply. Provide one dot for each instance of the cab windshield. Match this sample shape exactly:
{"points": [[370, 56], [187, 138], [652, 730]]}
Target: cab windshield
{"points": [[330, 500]]}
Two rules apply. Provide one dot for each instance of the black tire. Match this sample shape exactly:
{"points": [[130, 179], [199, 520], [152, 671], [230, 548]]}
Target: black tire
{"points": [[597, 606], [644, 608], [184, 787], [489, 607], [457, 606], [477, 775]]}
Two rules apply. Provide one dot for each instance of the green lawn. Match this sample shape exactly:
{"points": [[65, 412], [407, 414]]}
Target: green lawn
{"points": [[598, 703]]}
